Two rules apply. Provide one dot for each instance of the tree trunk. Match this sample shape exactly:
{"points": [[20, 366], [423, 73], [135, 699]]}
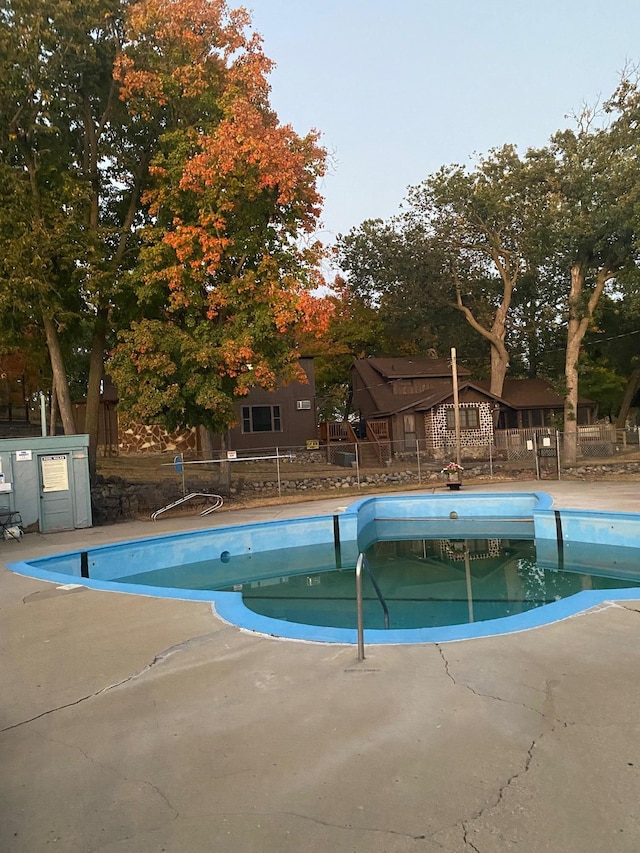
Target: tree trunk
{"points": [[96, 368], [499, 366], [496, 334], [570, 446], [59, 376], [206, 443], [630, 392], [579, 318]]}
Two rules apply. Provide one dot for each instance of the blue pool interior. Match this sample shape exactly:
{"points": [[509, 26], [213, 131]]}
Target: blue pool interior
{"points": [[321, 551]]}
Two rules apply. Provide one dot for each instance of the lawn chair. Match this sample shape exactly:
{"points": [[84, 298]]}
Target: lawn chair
{"points": [[10, 523]]}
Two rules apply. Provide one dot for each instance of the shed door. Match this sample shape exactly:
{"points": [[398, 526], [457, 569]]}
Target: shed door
{"points": [[56, 499], [409, 423]]}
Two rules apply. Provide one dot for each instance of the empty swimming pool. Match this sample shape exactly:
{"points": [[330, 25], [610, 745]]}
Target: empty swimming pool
{"points": [[449, 566]]}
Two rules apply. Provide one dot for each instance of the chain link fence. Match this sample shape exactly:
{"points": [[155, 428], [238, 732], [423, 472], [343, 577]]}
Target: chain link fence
{"points": [[351, 467]]}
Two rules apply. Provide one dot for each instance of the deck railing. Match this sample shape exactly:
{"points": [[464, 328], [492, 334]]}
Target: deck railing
{"points": [[378, 430], [337, 431]]}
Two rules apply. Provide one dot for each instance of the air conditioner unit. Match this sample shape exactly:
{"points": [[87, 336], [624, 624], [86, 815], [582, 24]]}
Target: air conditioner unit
{"points": [[303, 404]]}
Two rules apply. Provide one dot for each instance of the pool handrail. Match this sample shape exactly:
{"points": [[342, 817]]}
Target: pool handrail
{"points": [[361, 563], [218, 500]]}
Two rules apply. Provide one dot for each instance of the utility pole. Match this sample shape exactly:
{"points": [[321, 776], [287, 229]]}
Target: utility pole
{"points": [[456, 405]]}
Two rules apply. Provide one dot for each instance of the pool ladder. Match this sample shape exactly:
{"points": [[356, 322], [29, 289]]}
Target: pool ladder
{"points": [[217, 503], [361, 564]]}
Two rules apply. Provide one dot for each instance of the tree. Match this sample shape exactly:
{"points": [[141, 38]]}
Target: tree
{"points": [[228, 262], [21, 369], [397, 272], [610, 358], [489, 225], [73, 164], [94, 90], [594, 181], [535, 337], [624, 349]]}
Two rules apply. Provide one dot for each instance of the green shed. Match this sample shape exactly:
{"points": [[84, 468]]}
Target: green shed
{"points": [[46, 480]]}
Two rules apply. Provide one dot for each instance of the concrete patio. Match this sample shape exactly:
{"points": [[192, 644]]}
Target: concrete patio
{"points": [[144, 725]]}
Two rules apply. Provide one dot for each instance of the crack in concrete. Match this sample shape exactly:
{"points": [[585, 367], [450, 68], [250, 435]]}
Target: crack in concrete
{"points": [[626, 607], [162, 656], [276, 814], [475, 692], [546, 717], [467, 841], [465, 824], [109, 769], [56, 592], [350, 826], [319, 821]]}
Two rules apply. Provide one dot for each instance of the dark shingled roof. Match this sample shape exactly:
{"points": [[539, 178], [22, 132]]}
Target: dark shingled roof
{"points": [[377, 373], [411, 368], [530, 393]]}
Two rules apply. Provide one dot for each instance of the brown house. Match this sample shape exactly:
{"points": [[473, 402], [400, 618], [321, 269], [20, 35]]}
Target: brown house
{"points": [[392, 395], [407, 399], [282, 418]]}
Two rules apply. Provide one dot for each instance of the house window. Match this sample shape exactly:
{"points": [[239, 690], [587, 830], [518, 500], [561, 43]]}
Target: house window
{"points": [[537, 418], [469, 418], [261, 419], [403, 386]]}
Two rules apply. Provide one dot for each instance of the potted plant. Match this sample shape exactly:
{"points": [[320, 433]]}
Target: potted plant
{"points": [[453, 473]]}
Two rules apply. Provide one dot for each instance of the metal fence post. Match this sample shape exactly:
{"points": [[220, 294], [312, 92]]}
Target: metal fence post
{"points": [[558, 435], [278, 470], [357, 465], [418, 458], [535, 453]]}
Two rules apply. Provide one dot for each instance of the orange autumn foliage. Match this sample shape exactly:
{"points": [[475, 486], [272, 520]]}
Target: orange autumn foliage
{"points": [[233, 202]]}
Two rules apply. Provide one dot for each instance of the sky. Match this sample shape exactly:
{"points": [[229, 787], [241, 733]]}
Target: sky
{"points": [[399, 88]]}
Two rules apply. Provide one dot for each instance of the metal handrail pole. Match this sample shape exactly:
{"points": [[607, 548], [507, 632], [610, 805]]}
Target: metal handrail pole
{"points": [[363, 562], [359, 607]]}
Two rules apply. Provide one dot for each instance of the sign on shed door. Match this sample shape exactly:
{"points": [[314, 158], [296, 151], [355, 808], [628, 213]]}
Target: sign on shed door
{"points": [[56, 500]]}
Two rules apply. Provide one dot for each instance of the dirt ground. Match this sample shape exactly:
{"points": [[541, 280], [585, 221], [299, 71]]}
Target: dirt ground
{"points": [[156, 469], [159, 470]]}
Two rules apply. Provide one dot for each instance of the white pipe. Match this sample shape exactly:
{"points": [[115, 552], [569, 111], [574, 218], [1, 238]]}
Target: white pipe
{"points": [[43, 413]]}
